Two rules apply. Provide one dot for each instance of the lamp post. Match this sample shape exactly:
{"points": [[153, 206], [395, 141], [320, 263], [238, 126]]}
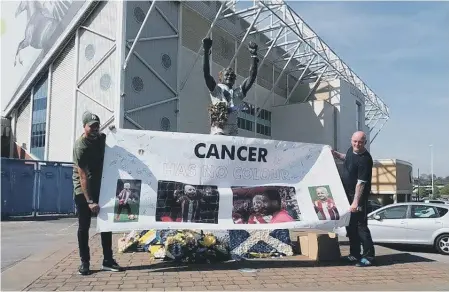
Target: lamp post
{"points": [[418, 185], [431, 168]]}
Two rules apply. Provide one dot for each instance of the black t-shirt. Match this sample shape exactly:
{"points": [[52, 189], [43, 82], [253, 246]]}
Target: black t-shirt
{"points": [[357, 167]]}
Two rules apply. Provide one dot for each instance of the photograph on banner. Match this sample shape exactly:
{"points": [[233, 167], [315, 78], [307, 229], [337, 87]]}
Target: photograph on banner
{"points": [[264, 205], [127, 200], [180, 202], [324, 203]]}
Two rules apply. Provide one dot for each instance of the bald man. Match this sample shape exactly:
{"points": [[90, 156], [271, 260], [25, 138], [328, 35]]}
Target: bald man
{"points": [[356, 178]]}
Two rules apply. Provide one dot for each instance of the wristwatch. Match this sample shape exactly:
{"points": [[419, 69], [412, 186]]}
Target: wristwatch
{"points": [[90, 202]]}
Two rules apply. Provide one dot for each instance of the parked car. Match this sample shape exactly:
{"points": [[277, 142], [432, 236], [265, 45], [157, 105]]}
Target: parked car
{"points": [[436, 202], [415, 223], [373, 205]]}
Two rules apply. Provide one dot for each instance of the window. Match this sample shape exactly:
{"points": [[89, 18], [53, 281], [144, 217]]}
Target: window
{"points": [[39, 118], [442, 211], [264, 122], [245, 124], [422, 211], [247, 120], [264, 130], [397, 212], [359, 116], [264, 115]]}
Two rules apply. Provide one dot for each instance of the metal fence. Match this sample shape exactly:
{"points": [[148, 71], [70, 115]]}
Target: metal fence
{"points": [[32, 187]]}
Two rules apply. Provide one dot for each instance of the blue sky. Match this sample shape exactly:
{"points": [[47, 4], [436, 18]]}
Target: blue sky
{"points": [[401, 50]]}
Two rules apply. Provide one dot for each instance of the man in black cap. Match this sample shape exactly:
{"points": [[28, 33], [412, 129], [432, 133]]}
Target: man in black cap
{"points": [[88, 154]]}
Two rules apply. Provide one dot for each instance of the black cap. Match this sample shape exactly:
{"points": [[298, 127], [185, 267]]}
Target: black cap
{"points": [[90, 119]]}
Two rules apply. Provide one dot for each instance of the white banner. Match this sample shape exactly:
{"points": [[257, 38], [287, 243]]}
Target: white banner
{"points": [[164, 180]]}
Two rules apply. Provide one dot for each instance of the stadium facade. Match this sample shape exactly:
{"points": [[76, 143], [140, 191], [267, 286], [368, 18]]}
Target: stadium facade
{"points": [[138, 65]]}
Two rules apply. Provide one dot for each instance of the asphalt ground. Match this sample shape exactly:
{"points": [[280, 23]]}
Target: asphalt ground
{"points": [[22, 239]]}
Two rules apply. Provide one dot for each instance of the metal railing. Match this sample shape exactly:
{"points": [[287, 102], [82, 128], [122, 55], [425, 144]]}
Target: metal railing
{"points": [[33, 187]]}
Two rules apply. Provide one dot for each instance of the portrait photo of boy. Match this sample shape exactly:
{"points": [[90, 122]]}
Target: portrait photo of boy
{"points": [[324, 203], [127, 200]]}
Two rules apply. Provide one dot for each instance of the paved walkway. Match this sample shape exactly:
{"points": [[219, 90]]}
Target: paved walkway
{"points": [[47, 233], [395, 271]]}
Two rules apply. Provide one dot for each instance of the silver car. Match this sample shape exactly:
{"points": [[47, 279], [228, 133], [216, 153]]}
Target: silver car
{"points": [[415, 223], [436, 202]]}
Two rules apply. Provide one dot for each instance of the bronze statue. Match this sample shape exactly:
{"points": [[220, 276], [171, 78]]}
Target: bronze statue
{"points": [[226, 101]]}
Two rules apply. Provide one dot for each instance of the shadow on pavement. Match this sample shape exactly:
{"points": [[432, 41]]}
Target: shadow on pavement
{"points": [[410, 248], [381, 260], [400, 258], [39, 217]]}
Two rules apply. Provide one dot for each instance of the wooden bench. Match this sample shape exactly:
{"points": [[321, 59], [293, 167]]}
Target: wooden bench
{"points": [[316, 244]]}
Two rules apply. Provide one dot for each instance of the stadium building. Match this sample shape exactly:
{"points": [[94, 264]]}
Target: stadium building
{"points": [[138, 65]]}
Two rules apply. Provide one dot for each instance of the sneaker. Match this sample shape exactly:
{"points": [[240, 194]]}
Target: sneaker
{"points": [[351, 258], [364, 262], [111, 265], [84, 269]]}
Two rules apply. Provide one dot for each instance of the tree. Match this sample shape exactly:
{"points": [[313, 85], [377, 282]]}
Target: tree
{"points": [[423, 192], [445, 190], [436, 192]]}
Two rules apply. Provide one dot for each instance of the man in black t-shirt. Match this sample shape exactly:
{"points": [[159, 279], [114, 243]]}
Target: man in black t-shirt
{"points": [[356, 177]]}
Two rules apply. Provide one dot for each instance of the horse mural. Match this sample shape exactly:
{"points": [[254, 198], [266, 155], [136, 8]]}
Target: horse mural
{"points": [[42, 19]]}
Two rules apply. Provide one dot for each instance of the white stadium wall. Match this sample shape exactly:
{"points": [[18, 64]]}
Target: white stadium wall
{"points": [[349, 115], [85, 76], [81, 77], [22, 136], [97, 67], [330, 116], [310, 122], [61, 108]]}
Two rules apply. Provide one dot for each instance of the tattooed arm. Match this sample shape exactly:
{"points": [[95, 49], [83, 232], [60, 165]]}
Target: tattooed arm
{"points": [[359, 188]]}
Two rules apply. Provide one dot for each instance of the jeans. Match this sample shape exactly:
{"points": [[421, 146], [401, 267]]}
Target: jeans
{"points": [[84, 220], [360, 235]]}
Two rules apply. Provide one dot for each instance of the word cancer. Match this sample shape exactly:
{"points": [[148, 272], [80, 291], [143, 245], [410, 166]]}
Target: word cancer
{"points": [[243, 153]]}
